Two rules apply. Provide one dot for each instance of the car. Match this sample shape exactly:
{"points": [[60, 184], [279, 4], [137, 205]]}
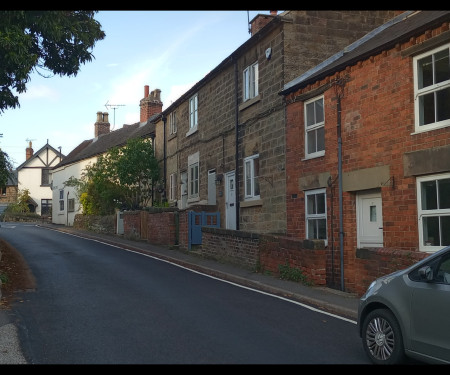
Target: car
{"points": [[406, 315]]}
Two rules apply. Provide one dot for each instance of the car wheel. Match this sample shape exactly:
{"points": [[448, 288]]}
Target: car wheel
{"points": [[382, 338]]}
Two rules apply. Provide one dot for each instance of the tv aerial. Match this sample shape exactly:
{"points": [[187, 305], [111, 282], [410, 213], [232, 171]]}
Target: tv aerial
{"points": [[114, 107]]}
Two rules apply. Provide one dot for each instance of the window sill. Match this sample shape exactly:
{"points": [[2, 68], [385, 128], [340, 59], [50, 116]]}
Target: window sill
{"points": [[172, 136], [251, 203], [249, 102], [191, 131]]}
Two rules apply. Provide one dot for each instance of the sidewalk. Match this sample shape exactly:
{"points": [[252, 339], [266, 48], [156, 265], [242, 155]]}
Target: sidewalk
{"points": [[330, 300]]}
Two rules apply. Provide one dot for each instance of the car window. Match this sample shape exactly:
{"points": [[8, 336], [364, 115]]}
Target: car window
{"points": [[443, 271], [440, 267], [414, 274]]}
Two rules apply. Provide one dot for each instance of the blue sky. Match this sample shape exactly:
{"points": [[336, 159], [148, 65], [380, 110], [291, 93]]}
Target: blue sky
{"points": [[166, 50]]}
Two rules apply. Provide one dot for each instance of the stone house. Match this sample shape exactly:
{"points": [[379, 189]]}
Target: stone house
{"points": [[222, 143], [368, 150], [66, 202], [9, 192], [34, 174]]}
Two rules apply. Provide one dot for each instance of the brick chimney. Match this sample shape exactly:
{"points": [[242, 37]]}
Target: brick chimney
{"points": [[151, 104], [29, 151], [261, 20], [102, 124]]}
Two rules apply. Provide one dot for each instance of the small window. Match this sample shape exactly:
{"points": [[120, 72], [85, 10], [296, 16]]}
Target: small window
{"points": [[172, 123], [71, 205], [45, 177], [251, 177], [432, 89], [316, 214], [46, 207], [173, 187], [433, 193], [314, 128], [61, 200], [193, 112], [250, 81], [3, 190], [193, 181]]}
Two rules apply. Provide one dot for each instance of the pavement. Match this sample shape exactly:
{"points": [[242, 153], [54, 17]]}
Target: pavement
{"points": [[331, 301]]}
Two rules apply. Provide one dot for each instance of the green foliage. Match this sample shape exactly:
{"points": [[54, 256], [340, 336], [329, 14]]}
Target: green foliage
{"points": [[3, 278], [56, 42], [21, 204], [6, 168], [292, 274], [121, 178]]}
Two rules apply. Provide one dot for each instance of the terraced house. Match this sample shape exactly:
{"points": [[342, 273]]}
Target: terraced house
{"points": [[368, 150]]}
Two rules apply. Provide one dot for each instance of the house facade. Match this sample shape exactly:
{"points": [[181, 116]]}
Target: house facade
{"points": [[66, 202], [368, 149], [222, 143], [9, 192], [35, 175]]}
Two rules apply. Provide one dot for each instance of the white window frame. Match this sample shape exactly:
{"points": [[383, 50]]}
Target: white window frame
{"points": [[314, 216], [172, 187], [193, 112], [193, 180], [315, 126], [250, 81], [423, 214], [431, 89], [251, 178], [172, 123], [61, 200]]}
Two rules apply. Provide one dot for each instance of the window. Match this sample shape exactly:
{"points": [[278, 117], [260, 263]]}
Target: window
{"points": [[432, 89], [46, 207], [61, 200], [3, 190], [173, 187], [45, 177], [193, 111], [251, 177], [251, 81], [433, 202], [193, 180], [316, 214], [314, 128], [71, 205], [172, 123]]}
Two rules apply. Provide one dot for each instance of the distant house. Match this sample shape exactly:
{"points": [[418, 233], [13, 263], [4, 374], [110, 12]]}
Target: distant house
{"points": [[368, 149], [66, 203], [35, 175], [8, 194]]}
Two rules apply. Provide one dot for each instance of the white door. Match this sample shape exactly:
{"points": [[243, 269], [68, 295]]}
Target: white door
{"points": [[230, 201], [369, 218]]}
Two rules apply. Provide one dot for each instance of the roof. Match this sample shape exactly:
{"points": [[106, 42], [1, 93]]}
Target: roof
{"points": [[101, 144], [399, 29], [12, 179], [36, 154]]}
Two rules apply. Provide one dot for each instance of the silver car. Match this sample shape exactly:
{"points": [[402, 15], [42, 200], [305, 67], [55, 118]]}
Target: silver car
{"points": [[407, 313]]}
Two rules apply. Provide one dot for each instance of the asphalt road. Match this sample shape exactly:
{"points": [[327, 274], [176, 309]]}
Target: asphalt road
{"points": [[99, 304]]}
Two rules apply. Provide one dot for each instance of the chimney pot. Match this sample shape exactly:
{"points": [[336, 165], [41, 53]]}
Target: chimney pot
{"points": [[146, 91]]}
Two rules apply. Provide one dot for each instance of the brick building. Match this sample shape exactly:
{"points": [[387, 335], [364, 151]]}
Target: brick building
{"points": [[222, 143], [368, 150]]}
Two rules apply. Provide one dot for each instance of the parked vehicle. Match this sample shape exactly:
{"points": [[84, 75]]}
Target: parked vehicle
{"points": [[407, 313]]}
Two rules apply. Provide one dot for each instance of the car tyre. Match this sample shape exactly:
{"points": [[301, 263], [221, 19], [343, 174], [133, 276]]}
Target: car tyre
{"points": [[382, 338]]}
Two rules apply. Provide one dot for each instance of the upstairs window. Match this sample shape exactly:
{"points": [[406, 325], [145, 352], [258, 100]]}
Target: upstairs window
{"points": [[316, 214], [432, 89], [193, 112], [61, 200], [314, 128], [251, 177], [172, 123], [250, 81], [45, 177], [173, 187]]}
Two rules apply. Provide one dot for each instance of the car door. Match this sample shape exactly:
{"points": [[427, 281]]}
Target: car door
{"points": [[430, 313]]}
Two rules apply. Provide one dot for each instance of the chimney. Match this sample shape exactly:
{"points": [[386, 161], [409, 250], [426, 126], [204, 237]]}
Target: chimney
{"points": [[261, 20], [102, 124], [151, 104], [29, 151]]}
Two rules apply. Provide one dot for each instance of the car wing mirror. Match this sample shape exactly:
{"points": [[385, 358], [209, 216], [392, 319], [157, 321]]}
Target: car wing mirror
{"points": [[426, 273]]}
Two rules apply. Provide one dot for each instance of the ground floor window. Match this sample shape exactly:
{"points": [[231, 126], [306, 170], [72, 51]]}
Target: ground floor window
{"points": [[316, 214], [46, 207], [433, 206]]}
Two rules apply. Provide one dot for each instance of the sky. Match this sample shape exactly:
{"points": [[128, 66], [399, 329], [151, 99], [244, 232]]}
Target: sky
{"points": [[166, 50]]}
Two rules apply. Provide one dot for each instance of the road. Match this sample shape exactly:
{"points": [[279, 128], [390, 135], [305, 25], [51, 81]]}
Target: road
{"points": [[99, 304]]}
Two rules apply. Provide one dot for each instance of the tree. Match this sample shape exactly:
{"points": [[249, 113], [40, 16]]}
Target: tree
{"points": [[121, 178], [6, 168], [56, 42]]}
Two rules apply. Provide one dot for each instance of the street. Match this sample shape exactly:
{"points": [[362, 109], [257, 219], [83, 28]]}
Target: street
{"points": [[99, 304]]}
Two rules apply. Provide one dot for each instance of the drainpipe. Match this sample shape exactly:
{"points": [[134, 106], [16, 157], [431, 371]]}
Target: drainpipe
{"points": [[67, 210], [165, 161], [341, 231], [237, 144]]}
